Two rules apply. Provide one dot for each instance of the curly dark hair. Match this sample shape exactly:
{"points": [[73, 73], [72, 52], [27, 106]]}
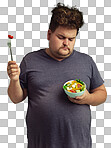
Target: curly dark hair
{"points": [[67, 17]]}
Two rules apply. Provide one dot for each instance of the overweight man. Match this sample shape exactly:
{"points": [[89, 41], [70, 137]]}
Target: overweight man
{"points": [[53, 119]]}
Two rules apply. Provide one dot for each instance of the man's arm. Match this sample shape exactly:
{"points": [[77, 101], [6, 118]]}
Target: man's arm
{"points": [[15, 91], [96, 97]]}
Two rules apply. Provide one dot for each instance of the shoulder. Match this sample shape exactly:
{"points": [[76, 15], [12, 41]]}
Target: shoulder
{"points": [[33, 55], [83, 56], [33, 59], [80, 54]]}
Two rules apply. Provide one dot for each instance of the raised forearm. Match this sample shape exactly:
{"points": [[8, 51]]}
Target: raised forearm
{"points": [[15, 91]]}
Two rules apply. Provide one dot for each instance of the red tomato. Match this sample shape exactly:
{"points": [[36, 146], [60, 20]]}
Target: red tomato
{"points": [[73, 91], [10, 37], [79, 85]]}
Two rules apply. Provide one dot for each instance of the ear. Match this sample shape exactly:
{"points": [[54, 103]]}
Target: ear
{"points": [[49, 34]]}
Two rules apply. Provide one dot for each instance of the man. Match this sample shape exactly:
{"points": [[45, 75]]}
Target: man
{"points": [[53, 119]]}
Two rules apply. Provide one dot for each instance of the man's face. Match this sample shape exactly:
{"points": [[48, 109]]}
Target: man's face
{"points": [[61, 42]]}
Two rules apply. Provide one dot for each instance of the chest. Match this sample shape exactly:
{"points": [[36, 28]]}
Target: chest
{"points": [[49, 74]]}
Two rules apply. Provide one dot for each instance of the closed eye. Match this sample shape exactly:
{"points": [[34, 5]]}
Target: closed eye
{"points": [[61, 37], [71, 39]]}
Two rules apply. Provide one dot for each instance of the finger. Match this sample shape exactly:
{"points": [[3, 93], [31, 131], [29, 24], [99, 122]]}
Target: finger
{"points": [[12, 62], [13, 74], [78, 98], [12, 67], [73, 100], [13, 71], [9, 66]]}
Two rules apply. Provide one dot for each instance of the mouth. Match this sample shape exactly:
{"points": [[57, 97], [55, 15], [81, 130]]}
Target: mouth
{"points": [[65, 48]]}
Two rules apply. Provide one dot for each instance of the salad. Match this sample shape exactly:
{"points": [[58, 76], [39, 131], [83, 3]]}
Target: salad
{"points": [[74, 86]]}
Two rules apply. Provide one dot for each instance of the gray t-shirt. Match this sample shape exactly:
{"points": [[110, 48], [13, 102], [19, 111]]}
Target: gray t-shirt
{"points": [[52, 120]]}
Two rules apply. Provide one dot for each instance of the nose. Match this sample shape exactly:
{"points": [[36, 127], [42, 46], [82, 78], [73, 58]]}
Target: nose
{"points": [[65, 42]]}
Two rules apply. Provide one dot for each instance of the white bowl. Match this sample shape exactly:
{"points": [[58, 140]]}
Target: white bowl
{"points": [[71, 94]]}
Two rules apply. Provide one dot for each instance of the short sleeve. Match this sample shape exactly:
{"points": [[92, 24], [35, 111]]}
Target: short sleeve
{"points": [[96, 79], [23, 77]]}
